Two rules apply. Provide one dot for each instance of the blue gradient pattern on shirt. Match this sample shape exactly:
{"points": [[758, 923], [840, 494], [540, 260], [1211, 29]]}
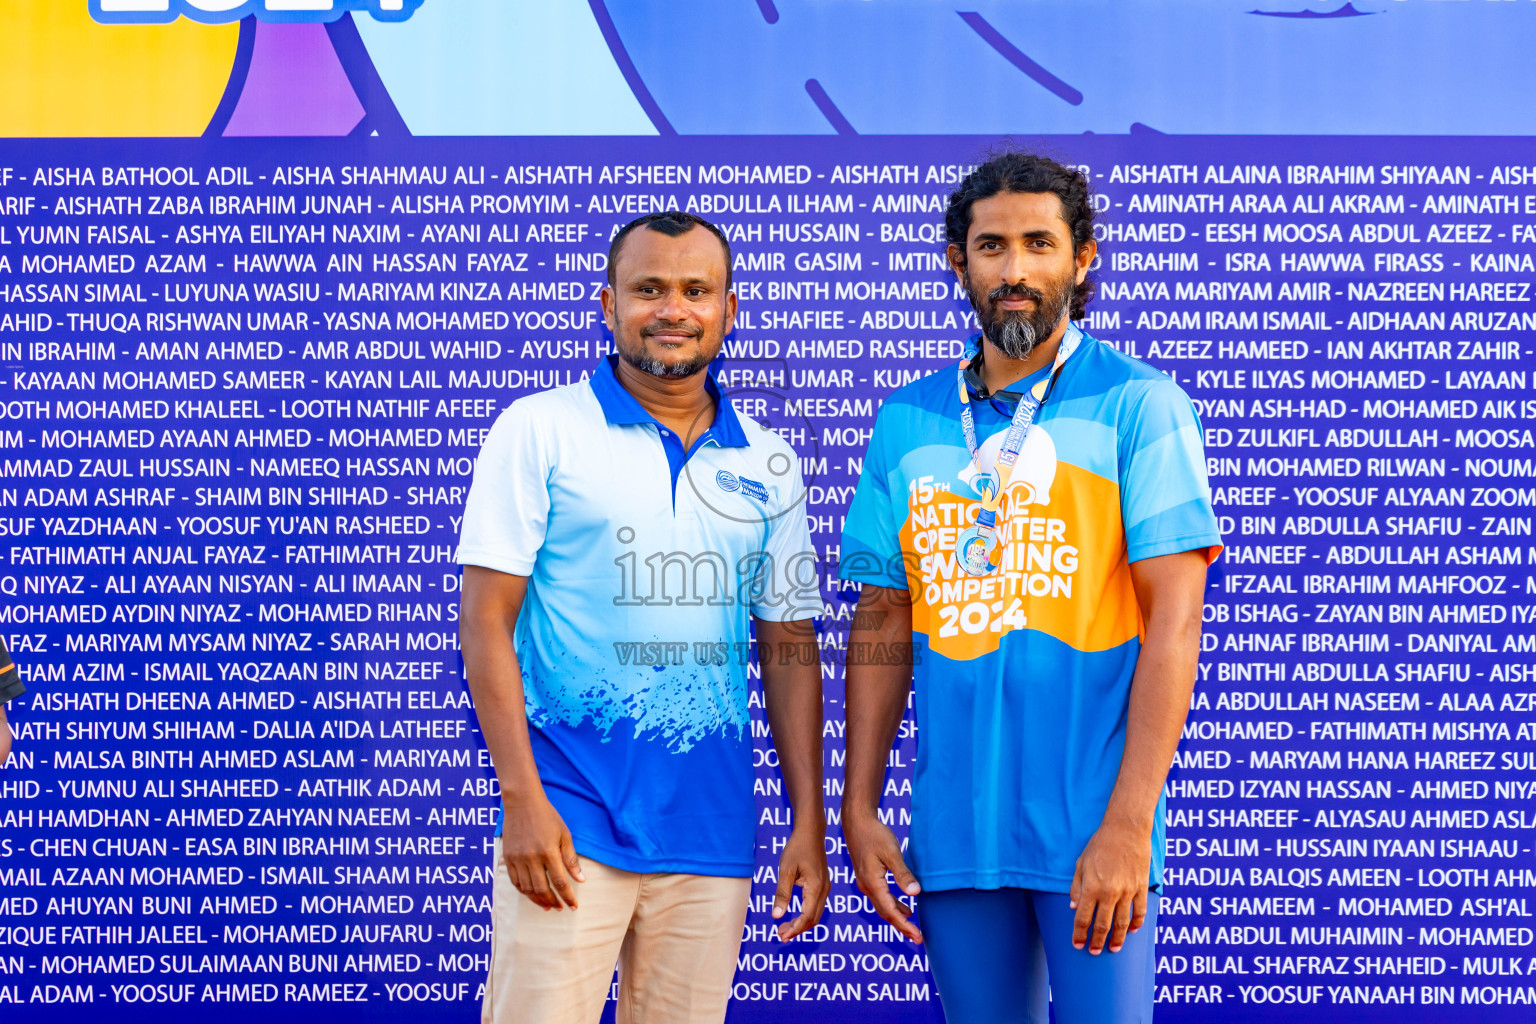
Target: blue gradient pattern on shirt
{"points": [[649, 763]]}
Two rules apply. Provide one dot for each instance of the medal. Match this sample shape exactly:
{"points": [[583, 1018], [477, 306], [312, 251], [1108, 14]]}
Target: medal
{"points": [[977, 550]]}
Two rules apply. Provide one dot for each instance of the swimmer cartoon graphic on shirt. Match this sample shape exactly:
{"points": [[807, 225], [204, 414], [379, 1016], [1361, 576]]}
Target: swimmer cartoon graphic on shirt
{"points": [[1035, 470]]}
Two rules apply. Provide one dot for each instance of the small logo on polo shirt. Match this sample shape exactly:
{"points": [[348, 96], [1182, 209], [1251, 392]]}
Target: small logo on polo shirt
{"points": [[753, 489], [727, 480]]}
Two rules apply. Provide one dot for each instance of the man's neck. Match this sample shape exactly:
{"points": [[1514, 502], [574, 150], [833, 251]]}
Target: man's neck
{"points": [[681, 403], [998, 370]]}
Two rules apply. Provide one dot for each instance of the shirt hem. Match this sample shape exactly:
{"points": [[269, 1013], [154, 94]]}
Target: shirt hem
{"points": [[786, 614], [1176, 545], [945, 880], [500, 563], [879, 581], [626, 861]]}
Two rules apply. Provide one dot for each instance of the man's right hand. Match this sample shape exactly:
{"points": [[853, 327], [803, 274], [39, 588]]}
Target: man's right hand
{"points": [[540, 857], [873, 849]]}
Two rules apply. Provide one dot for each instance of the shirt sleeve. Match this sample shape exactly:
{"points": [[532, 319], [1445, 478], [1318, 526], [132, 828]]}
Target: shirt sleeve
{"points": [[11, 685], [795, 592], [1165, 495], [507, 511], [870, 551]]}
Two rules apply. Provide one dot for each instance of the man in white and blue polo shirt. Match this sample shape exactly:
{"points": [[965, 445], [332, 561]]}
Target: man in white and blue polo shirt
{"points": [[621, 538]]}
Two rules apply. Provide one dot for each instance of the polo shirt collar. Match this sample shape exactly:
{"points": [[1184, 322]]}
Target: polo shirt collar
{"points": [[1011, 394], [621, 407], [978, 387], [1007, 396]]}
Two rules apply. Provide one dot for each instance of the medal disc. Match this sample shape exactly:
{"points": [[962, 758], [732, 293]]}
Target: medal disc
{"points": [[975, 551]]}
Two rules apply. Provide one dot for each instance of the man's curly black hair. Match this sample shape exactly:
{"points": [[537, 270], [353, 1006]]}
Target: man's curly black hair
{"points": [[1027, 172]]}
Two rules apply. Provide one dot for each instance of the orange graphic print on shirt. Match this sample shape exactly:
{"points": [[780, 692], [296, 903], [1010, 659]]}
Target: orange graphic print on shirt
{"points": [[1063, 564]]}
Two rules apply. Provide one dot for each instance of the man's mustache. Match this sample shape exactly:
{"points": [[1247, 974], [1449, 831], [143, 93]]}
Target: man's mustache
{"points": [[652, 329], [1015, 291]]}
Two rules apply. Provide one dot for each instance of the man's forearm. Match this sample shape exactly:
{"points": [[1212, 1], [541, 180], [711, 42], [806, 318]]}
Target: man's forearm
{"points": [[496, 682], [1160, 689], [1159, 703], [793, 702], [498, 697], [876, 697]]}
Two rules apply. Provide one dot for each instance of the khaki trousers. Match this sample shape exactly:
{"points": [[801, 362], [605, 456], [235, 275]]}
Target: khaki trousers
{"points": [[674, 938]]}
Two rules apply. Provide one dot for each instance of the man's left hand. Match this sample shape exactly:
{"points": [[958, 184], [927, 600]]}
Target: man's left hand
{"points": [[804, 861], [1109, 889]]}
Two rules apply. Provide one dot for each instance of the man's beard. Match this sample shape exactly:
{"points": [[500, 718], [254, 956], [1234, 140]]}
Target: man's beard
{"points": [[1017, 332], [650, 364]]}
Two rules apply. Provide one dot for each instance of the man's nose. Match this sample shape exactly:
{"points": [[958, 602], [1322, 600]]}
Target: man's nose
{"points": [[1014, 267], [672, 307]]}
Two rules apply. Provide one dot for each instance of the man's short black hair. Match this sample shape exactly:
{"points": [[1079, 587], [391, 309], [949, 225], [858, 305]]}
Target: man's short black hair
{"points": [[672, 223], [1027, 172]]}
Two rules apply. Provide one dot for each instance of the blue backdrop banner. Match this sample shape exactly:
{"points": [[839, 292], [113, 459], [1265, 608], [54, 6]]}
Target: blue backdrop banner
{"points": [[246, 379]]}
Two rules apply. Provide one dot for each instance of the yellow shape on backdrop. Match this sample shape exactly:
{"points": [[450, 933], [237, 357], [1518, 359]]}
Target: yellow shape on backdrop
{"points": [[62, 74]]}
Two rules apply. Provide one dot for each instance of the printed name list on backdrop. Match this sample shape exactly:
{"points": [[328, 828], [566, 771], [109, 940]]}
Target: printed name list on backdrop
{"points": [[244, 389]]}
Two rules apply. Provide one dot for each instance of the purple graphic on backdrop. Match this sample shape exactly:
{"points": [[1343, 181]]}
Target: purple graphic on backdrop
{"points": [[218, 12], [1347, 11], [295, 86]]}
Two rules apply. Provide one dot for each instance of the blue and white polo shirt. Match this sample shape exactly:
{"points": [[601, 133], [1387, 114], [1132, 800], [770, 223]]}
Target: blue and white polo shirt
{"points": [[646, 563]]}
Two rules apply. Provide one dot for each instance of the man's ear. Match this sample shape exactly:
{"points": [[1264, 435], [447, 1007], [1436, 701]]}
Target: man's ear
{"points": [[956, 257], [606, 297], [730, 311], [1085, 256]]}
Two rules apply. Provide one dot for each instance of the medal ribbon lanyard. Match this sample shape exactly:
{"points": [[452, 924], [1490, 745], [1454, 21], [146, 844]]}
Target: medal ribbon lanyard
{"points": [[1023, 416], [975, 546]]}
